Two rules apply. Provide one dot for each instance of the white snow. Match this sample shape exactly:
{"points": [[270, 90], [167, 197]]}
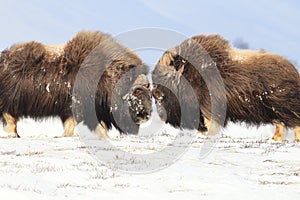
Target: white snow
{"points": [[244, 164]]}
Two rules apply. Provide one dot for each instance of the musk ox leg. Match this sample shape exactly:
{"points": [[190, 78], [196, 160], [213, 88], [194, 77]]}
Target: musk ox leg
{"points": [[207, 124], [101, 130], [211, 127], [11, 125], [297, 133], [278, 135], [69, 126], [202, 128]]}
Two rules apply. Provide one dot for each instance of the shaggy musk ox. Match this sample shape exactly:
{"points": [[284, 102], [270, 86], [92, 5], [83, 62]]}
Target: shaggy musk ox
{"points": [[37, 80], [259, 87]]}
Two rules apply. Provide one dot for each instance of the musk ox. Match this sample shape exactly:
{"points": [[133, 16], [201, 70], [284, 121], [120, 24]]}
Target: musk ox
{"points": [[91, 71], [258, 87]]}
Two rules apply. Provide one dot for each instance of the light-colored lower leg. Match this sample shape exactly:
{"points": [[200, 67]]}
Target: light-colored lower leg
{"points": [[207, 124], [11, 125], [278, 135], [297, 133], [101, 130], [211, 127], [69, 126]]}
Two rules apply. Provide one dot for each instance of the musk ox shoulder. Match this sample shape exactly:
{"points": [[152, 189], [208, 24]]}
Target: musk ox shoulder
{"points": [[256, 87], [90, 71]]}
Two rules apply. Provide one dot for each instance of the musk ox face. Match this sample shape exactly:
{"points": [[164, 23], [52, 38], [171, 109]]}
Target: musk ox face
{"points": [[139, 100], [139, 104], [164, 76], [175, 95], [181, 112], [159, 102]]}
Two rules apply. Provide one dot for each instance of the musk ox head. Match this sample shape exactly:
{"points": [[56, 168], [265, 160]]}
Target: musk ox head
{"points": [[139, 100], [175, 96], [188, 84]]}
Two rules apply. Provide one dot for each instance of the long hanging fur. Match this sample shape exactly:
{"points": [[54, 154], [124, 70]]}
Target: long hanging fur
{"points": [[260, 87], [37, 80]]}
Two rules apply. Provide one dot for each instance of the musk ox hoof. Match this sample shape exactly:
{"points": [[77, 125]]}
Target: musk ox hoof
{"points": [[277, 139], [203, 133], [203, 130], [11, 135]]}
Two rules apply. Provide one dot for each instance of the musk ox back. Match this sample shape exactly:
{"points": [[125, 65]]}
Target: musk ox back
{"points": [[260, 87], [37, 80]]}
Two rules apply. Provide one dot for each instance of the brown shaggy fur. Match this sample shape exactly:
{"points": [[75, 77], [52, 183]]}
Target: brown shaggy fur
{"points": [[37, 80], [260, 87]]}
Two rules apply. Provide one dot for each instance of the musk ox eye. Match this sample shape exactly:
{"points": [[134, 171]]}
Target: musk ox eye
{"points": [[131, 66], [158, 95], [138, 92], [146, 86], [172, 63], [178, 62]]}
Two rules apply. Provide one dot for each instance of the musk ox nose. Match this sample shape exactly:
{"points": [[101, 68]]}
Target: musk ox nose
{"points": [[161, 111]]}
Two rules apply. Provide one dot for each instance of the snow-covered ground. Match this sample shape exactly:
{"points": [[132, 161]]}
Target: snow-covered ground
{"points": [[244, 164]]}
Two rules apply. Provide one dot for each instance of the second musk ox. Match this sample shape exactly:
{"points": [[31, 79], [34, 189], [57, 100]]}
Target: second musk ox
{"points": [[258, 87], [91, 78]]}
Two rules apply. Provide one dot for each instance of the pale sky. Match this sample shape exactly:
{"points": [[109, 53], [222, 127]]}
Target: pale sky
{"points": [[273, 25]]}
